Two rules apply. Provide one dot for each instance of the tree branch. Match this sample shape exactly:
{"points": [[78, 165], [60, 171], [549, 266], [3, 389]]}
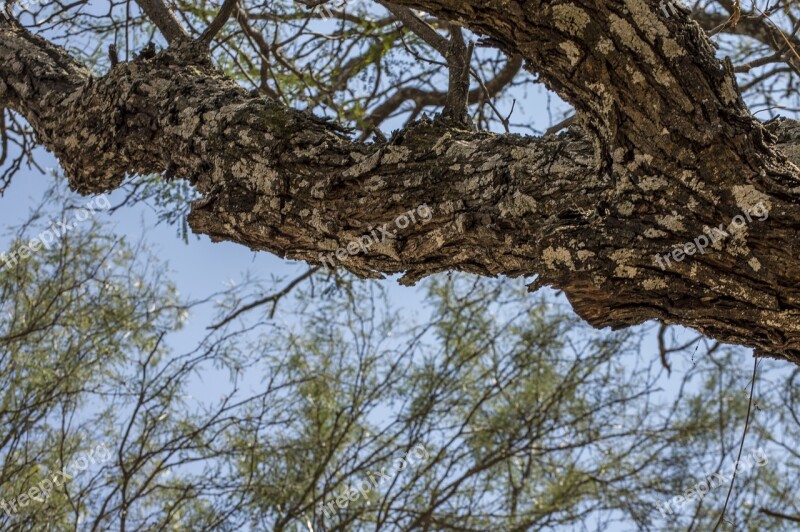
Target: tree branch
{"points": [[225, 12], [419, 27], [669, 150], [425, 98], [459, 57], [779, 515], [273, 298], [164, 19], [756, 27]]}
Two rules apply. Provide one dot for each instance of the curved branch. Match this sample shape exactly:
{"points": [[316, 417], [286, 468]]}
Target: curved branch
{"points": [[668, 150]]}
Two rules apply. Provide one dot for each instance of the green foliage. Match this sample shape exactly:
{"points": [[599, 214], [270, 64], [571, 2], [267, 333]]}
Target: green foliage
{"points": [[529, 419]]}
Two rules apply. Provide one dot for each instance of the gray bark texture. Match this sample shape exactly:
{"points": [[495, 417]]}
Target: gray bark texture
{"points": [[665, 150]]}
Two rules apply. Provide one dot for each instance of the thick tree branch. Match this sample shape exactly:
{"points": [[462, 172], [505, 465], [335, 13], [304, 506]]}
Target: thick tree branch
{"points": [[669, 150]]}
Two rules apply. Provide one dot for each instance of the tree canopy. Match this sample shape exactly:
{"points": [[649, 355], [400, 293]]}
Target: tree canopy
{"points": [[512, 415]]}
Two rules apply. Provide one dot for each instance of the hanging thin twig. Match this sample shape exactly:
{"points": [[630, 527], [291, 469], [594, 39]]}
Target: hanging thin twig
{"points": [[741, 445]]}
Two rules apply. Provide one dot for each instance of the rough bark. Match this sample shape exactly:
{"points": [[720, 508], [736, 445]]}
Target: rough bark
{"points": [[668, 150]]}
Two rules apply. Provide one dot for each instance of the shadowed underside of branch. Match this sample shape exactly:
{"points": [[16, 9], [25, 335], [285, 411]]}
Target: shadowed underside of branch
{"points": [[665, 150]]}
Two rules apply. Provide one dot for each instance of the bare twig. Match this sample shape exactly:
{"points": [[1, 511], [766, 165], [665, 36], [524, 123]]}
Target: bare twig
{"points": [[421, 98], [3, 136], [778, 515], [274, 298], [741, 445]]}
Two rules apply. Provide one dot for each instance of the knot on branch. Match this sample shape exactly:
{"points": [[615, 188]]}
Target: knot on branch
{"points": [[182, 52]]}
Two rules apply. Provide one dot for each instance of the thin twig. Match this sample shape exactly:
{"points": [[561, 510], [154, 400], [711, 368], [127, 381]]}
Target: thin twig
{"points": [[741, 445], [274, 298], [778, 515]]}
